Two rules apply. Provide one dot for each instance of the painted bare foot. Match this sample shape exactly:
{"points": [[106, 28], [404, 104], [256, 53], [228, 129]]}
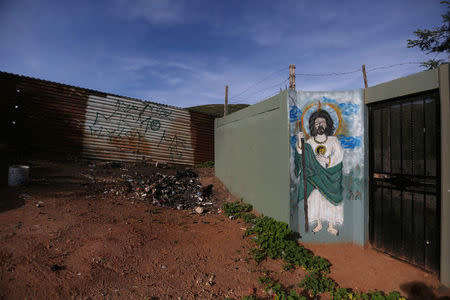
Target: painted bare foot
{"points": [[332, 230], [318, 227]]}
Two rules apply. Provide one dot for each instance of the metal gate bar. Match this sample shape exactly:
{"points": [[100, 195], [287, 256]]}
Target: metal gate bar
{"points": [[404, 182]]}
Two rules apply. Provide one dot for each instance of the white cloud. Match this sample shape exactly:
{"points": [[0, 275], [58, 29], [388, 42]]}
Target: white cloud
{"points": [[203, 84], [247, 43]]}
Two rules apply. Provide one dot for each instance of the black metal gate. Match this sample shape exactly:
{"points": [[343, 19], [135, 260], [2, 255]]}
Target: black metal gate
{"points": [[405, 214]]}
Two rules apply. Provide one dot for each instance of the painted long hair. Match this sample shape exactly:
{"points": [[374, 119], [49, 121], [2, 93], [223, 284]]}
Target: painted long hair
{"points": [[321, 114]]}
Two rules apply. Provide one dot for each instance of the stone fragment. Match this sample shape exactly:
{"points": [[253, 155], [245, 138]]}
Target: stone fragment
{"points": [[199, 210], [211, 279]]}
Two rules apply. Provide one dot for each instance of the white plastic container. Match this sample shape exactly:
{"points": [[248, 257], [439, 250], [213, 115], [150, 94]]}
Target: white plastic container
{"points": [[18, 175]]}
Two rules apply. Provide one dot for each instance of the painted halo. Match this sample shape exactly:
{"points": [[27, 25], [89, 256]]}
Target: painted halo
{"points": [[331, 108]]}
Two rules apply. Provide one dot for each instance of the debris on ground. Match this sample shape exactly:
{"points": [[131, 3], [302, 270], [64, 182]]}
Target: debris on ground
{"points": [[199, 210], [56, 267], [181, 189], [211, 279], [24, 196], [207, 191]]}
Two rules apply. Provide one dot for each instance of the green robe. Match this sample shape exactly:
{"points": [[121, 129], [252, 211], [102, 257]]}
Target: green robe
{"points": [[327, 181]]}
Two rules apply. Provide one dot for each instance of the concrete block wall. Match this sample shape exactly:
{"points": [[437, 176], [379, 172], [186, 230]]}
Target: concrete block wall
{"points": [[251, 155]]}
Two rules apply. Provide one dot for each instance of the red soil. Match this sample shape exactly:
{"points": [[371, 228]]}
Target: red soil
{"points": [[103, 246]]}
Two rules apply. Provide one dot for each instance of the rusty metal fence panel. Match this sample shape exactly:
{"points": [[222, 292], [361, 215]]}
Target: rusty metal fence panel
{"points": [[53, 119], [132, 130]]}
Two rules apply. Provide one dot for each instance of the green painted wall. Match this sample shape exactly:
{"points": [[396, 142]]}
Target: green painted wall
{"points": [[252, 155], [412, 84]]}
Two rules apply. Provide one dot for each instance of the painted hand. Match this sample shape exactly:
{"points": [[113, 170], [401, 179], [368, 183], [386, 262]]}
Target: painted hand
{"points": [[300, 135], [322, 159], [299, 143]]}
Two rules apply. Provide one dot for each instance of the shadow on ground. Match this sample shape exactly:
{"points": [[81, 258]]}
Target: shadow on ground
{"points": [[417, 290], [10, 198]]}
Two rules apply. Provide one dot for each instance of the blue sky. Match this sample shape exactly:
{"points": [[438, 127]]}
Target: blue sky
{"points": [[184, 52]]}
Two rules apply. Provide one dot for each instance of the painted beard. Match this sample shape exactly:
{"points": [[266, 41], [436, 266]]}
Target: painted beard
{"points": [[320, 130]]}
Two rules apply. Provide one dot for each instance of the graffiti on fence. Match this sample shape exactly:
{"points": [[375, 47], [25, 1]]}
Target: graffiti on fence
{"points": [[128, 120], [175, 145]]}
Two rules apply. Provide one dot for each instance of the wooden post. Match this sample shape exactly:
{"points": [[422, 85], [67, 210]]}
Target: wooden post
{"points": [[302, 145], [292, 77], [365, 76], [225, 107]]}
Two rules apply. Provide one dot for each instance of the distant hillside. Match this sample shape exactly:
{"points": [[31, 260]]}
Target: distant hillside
{"points": [[216, 109]]}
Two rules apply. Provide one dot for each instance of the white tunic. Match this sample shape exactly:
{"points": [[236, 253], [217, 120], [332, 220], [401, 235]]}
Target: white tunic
{"points": [[319, 208]]}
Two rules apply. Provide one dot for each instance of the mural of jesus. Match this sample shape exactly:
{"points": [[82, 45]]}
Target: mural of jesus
{"points": [[323, 167]]}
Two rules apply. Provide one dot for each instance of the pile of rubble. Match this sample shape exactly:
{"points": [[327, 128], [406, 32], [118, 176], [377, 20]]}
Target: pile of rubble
{"points": [[181, 191]]}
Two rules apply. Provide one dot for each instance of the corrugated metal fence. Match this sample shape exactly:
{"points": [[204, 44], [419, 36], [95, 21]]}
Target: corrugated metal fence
{"points": [[43, 119]]}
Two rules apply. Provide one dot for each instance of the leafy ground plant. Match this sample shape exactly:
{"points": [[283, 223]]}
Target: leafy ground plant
{"points": [[206, 164], [236, 209], [275, 240], [317, 283], [341, 293], [278, 291]]}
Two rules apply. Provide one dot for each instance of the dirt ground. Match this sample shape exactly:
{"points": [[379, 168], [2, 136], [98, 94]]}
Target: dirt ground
{"points": [[70, 234]]}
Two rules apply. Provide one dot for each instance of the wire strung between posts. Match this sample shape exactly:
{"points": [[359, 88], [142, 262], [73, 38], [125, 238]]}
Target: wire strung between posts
{"points": [[270, 87], [310, 74], [265, 89], [254, 95], [273, 86], [327, 74], [265, 97], [258, 82], [358, 70], [391, 66]]}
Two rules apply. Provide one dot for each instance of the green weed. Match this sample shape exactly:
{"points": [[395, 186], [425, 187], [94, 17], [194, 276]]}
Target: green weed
{"points": [[206, 164], [275, 240], [236, 209], [317, 283]]}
